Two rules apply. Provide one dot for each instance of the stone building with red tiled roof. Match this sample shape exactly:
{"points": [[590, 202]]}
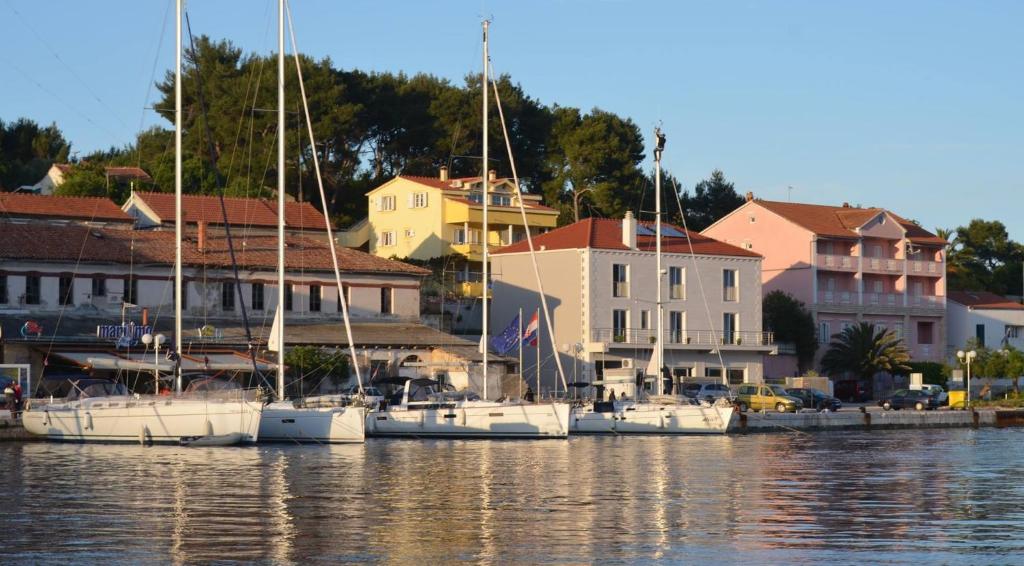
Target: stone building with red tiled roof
{"points": [[984, 319], [849, 264], [599, 279]]}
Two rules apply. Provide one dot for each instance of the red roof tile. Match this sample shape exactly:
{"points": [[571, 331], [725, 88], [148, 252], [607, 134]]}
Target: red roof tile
{"points": [[841, 221], [984, 300], [74, 243], [606, 234], [28, 205], [240, 211]]}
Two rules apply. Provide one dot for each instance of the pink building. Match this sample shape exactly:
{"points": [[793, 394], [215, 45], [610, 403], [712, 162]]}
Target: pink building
{"points": [[848, 264]]}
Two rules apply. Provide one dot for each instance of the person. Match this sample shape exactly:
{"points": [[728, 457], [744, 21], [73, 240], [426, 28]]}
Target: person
{"points": [[611, 396], [528, 396], [164, 390], [17, 398]]}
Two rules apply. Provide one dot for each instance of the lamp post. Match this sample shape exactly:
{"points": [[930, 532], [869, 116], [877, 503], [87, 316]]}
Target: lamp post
{"points": [[156, 341], [967, 357]]}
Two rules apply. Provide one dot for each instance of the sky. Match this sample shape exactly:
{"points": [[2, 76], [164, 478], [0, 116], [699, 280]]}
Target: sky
{"points": [[912, 106]]}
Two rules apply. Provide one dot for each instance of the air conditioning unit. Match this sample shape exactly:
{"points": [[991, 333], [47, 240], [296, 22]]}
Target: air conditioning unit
{"points": [[115, 298], [628, 363]]}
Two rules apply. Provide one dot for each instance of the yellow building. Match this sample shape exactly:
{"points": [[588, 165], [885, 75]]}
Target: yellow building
{"points": [[429, 217]]}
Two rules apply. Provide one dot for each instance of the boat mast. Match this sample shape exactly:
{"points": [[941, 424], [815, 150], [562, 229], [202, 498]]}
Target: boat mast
{"points": [[177, 197], [659, 384], [280, 197], [486, 197]]}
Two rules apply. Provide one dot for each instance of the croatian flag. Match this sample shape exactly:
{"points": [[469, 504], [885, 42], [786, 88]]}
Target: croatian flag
{"points": [[532, 330], [506, 341]]}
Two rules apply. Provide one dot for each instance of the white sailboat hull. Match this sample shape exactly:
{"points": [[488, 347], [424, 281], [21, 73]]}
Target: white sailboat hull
{"points": [[145, 419], [283, 422], [652, 418], [473, 419]]}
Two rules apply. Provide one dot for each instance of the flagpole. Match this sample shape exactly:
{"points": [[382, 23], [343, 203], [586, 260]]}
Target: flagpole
{"points": [[520, 353], [538, 355]]}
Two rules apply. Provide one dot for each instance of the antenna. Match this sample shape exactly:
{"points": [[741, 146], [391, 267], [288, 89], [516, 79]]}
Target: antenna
{"points": [[789, 191]]}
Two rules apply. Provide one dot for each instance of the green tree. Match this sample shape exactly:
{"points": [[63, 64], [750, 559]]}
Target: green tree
{"points": [[712, 199], [309, 366], [27, 151], [864, 350], [983, 257], [792, 323], [86, 179]]}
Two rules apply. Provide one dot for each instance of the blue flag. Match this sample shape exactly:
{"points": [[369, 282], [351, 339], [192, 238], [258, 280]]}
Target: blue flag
{"points": [[509, 338]]}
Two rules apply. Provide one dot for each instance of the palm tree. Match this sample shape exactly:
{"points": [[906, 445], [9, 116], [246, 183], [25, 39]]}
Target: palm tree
{"points": [[865, 350]]}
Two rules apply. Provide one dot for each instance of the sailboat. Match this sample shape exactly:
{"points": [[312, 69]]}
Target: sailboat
{"points": [[659, 414], [208, 414], [324, 419], [425, 407]]}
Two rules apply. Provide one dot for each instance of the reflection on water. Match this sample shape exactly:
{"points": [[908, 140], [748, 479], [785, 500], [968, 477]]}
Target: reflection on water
{"points": [[899, 496]]}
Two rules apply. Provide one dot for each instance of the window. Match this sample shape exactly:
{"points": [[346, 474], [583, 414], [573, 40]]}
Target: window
{"points": [[227, 296], [3, 290], [184, 295], [824, 333], [729, 293], [314, 298], [131, 290], [713, 372], [32, 290], [99, 287], [645, 320], [66, 290], [676, 286], [410, 233], [979, 333], [288, 296], [620, 280], [463, 236], [1013, 331], [619, 325], [386, 202], [675, 327], [897, 329], [476, 197], [348, 297], [257, 296], [418, 200], [386, 304], [387, 238], [501, 200], [729, 324], [736, 376], [924, 332]]}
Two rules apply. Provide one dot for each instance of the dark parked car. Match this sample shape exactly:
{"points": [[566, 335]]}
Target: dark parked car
{"points": [[910, 399], [816, 399]]}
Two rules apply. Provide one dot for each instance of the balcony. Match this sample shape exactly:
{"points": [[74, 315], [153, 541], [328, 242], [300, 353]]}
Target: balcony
{"points": [[837, 298], [469, 285], [692, 339], [883, 265], [472, 252], [832, 262], [922, 267], [926, 301], [883, 299]]}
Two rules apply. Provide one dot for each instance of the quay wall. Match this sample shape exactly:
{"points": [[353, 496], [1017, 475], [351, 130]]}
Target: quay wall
{"points": [[851, 420]]}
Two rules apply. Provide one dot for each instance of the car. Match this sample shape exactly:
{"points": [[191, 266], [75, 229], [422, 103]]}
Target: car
{"points": [[709, 392], [909, 399], [815, 399], [761, 397], [940, 394]]}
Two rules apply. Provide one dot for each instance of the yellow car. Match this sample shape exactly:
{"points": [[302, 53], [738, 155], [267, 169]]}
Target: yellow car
{"points": [[766, 398]]}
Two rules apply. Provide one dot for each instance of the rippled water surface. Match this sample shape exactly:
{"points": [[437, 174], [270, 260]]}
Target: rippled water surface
{"points": [[948, 496]]}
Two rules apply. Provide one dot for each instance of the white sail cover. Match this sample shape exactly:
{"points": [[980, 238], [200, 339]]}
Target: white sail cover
{"points": [[272, 344]]}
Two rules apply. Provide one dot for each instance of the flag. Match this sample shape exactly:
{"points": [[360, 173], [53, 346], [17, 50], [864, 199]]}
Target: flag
{"points": [[506, 341], [531, 331]]}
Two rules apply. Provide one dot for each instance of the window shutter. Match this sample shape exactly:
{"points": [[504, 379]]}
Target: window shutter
{"points": [[377, 203], [425, 195], [412, 200]]}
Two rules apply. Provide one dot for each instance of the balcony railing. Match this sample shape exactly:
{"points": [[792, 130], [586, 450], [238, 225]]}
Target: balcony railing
{"points": [[883, 265], [634, 336], [837, 262], [927, 301], [921, 267], [883, 299], [849, 298], [837, 298]]}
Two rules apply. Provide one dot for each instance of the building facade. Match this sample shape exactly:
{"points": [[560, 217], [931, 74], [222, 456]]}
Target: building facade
{"points": [[600, 284], [245, 216], [847, 265], [980, 318]]}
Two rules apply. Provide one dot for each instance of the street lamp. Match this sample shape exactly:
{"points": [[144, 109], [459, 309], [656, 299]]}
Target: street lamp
{"points": [[156, 341], [967, 357]]}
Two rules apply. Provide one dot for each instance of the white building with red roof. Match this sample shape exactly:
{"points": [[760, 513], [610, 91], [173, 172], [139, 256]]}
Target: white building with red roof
{"points": [[56, 174], [599, 278], [91, 211], [244, 215], [984, 319]]}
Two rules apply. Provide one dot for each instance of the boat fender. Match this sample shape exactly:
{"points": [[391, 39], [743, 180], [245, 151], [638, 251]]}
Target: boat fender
{"points": [[145, 437], [88, 421], [209, 428], [46, 418], [462, 420]]}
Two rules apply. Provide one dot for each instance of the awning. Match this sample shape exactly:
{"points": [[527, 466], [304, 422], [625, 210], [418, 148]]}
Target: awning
{"points": [[230, 361]]}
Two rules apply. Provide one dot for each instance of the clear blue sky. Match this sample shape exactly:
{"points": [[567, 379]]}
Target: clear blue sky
{"points": [[910, 105]]}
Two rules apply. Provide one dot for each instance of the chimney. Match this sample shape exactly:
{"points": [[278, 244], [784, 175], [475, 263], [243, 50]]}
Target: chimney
{"points": [[444, 174], [492, 175], [846, 205], [201, 237], [750, 196], [629, 230]]}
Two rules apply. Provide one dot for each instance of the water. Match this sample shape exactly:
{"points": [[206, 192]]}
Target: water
{"points": [[947, 496]]}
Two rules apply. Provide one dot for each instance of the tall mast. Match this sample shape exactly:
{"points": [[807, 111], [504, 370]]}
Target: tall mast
{"points": [[487, 191], [659, 385], [177, 196], [280, 197]]}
